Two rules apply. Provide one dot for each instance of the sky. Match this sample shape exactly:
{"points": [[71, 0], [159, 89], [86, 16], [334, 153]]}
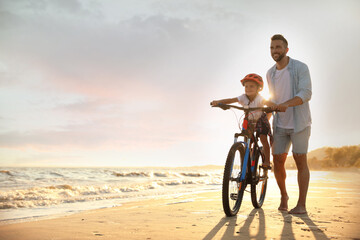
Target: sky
{"points": [[129, 82]]}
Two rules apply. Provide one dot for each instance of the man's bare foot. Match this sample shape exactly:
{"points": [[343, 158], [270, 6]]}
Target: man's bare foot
{"points": [[298, 210], [284, 203]]}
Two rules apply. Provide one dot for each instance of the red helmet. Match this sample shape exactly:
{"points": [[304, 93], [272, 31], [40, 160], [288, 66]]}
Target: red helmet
{"points": [[255, 78]]}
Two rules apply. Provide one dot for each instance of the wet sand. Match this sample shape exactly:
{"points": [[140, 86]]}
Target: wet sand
{"points": [[333, 213]]}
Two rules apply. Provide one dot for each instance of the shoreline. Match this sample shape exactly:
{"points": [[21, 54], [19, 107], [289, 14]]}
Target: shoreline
{"points": [[333, 213], [121, 203]]}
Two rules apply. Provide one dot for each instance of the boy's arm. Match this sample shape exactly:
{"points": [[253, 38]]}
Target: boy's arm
{"points": [[224, 101]]}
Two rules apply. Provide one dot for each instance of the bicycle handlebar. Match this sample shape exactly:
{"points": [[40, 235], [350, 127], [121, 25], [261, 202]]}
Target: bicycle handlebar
{"points": [[246, 109]]}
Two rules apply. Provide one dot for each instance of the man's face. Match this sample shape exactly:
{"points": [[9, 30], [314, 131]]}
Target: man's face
{"points": [[278, 50]]}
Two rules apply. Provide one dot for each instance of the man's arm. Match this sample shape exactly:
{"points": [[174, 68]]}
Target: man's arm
{"points": [[304, 83], [268, 103], [289, 103]]}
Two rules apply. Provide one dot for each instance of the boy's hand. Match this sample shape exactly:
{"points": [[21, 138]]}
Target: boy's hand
{"points": [[214, 103]]}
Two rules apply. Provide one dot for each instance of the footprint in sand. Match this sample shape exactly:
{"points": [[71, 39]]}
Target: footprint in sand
{"points": [[96, 233]]}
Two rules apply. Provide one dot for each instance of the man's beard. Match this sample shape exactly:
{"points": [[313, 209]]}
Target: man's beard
{"points": [[281, 56]]}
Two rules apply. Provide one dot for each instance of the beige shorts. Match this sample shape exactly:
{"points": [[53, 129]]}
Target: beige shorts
{"points": [[284, 138]]}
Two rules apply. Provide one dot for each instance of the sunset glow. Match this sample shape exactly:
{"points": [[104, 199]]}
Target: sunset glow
{"points": [[128, 83]]}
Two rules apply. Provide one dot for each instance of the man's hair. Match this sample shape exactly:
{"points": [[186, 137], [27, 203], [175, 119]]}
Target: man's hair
{"points": [[280, 37]]}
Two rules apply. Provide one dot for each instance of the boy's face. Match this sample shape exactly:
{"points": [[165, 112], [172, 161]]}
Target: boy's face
{"points": [[251, 88]]}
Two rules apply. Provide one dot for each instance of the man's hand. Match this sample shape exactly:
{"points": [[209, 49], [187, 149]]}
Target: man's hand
{"points": [[281, 107], [290, 103]]}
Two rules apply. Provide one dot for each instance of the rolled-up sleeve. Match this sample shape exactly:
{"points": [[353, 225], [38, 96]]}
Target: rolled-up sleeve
{"points": [[304, 85]]}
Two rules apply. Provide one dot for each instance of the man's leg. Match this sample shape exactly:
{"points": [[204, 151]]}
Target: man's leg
{"points": [[303, 182], [300, 142], [280, 175]]}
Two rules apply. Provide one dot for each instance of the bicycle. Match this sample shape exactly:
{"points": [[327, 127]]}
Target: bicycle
{"points": [[241, 167]]}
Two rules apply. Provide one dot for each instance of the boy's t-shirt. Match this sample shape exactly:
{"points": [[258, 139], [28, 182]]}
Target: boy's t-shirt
{"points": [[258, 102]]}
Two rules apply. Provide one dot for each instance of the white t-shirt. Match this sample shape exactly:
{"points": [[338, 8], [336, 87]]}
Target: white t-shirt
{"points": [[283, 94], [258, 102]]}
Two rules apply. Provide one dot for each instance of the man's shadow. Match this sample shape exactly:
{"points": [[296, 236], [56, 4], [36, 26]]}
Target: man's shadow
{"points": [[244, 232], [231, 231], [287, 232]]}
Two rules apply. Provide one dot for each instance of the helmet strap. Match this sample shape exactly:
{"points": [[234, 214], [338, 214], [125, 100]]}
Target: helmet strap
{"points": [[249, 98]]}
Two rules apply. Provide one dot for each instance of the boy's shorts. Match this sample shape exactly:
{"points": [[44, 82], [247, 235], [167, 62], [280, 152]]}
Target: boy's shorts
{"points": [[263, 126], [283, 138]]}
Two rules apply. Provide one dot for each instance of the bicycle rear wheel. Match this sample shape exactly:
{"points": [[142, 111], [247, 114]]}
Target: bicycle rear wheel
{"points": [[259, 180], [232, 189]]}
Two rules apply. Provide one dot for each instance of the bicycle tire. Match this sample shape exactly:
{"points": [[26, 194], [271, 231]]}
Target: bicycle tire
{"points": [[259, 180], [232, 193]]}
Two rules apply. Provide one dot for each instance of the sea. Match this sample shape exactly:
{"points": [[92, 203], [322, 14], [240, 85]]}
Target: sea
{"points": [[28, 194]]}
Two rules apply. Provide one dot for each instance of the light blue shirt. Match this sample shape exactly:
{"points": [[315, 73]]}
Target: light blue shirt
{"points": [[301, 87]]}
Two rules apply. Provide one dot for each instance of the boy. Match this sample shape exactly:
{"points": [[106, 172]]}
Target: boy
{"points": [[253, 84]]}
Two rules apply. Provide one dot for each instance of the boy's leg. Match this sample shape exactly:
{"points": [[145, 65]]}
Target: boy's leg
{"points": [[266, 147]]}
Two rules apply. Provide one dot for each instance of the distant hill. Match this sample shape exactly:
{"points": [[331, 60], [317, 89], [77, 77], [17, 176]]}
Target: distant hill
{"points": [[330, 157]]}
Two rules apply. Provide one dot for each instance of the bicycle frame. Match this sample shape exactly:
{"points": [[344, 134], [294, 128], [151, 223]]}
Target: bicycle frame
{"points": [[248, 137], [246, 172], [247, 144]]}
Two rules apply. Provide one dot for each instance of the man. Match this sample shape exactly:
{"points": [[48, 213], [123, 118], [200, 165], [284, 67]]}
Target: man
{"points": [[290, 86]]}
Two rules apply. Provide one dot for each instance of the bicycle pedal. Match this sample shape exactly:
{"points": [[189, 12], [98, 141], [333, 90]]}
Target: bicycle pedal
{"points": [[233, 196], [265, 167]]}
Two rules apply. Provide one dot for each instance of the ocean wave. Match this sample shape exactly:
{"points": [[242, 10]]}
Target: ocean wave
{"points": [[162, 174], [65, 193], [131, 174], [43, 187], [56, 174], [159, 174], [195, 174], [6, 172]]}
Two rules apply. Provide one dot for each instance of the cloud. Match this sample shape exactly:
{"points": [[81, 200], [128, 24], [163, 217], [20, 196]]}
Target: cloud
{"points": [[140, 74], [80, 53], [110, 81], [119, 133]]}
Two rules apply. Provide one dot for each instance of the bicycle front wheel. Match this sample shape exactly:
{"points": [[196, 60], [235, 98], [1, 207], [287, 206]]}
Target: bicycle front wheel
{"points": [[233, 189], [259, 180]]}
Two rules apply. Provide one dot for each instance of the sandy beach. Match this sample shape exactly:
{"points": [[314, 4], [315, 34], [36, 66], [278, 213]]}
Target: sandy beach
{"points": [[333, 213]]}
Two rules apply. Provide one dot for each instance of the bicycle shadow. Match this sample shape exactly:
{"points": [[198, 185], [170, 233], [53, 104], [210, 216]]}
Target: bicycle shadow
{"points": [[244, 232], [225, 221]]}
